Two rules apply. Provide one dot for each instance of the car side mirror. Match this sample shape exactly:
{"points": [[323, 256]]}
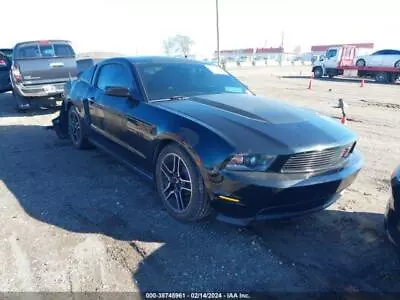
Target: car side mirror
{"points": [[321, 59]]}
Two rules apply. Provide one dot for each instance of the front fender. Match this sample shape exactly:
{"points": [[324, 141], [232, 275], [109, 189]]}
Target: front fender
{"points": [[208, 148]]}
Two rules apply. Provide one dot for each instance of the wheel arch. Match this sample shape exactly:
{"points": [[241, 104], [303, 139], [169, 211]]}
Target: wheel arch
{"points": [[207, 153]]}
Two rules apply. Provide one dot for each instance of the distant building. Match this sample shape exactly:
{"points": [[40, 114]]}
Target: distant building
{"points": [[256, 54], [270, 54], [235, 54]]}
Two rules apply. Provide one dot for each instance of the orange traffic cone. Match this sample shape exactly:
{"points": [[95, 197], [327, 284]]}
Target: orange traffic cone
{"points": [[310, 83], [362, 83], [343, 120]]}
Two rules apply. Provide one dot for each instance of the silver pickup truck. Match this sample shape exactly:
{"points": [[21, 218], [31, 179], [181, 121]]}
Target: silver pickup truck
{"points": [[40, 69]]}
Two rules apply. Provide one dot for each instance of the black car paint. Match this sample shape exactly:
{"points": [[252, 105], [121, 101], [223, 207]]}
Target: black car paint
{"points": [[392, 213], [5, 83], [212, 128]]}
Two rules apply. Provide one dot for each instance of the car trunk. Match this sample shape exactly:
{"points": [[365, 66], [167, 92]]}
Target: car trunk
{"points": [[42, 64]]}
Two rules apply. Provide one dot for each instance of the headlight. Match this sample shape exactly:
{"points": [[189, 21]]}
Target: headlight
{"points": [[250, 162]]}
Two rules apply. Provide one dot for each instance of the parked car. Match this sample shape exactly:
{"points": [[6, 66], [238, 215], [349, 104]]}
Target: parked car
{"points": [[5, 65], [207, 141], [392, 213], [7, 51], [381, 58], [40, 69]]}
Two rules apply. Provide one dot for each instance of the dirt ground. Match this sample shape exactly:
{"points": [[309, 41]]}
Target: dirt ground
{"points": [[79, 221]]}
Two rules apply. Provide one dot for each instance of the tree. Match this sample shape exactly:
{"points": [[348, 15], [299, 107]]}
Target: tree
{"points": [[178, 45]]}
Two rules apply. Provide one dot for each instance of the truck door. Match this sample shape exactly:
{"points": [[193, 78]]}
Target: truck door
{"points": [[332, 58]]}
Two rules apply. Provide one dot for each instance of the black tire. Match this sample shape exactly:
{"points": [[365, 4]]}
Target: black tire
{"points": [[382, 77], [397, 64], [190, 208], [360, 63], [22, 104], [393, 78], [77, 130], [318, 72]]}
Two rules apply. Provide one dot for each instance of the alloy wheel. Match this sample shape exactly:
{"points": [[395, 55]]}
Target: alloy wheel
{"points": [[176, 182], [74, 127]]}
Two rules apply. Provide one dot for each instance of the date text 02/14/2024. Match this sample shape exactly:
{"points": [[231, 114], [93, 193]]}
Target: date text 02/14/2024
{"points": [[197, 295]]}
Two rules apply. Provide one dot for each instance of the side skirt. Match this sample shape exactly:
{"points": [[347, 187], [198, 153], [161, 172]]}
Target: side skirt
{"points": [[122, 155]]}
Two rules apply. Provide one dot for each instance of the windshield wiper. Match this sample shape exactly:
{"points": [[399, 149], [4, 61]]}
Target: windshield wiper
{"points": [[171, 98]]}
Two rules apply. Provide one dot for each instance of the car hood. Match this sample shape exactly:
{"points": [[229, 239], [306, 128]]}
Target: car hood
{"points": [[255, 124]]}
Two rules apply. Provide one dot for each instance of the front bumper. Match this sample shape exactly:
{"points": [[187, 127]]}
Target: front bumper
{"points": [[39, 90], [245, 198]]}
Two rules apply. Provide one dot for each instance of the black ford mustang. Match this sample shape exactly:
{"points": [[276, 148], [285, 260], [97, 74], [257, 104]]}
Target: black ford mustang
{"points": [[392, 212], [209, 143]]}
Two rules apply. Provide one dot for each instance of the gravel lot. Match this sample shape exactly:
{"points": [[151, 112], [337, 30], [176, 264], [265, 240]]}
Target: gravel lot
{"points": [[79, 221]]}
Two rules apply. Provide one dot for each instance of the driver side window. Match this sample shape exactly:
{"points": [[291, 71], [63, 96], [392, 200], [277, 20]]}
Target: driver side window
{"points": [[115, 75]]}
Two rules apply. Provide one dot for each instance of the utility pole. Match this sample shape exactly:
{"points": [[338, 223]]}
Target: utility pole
{"points": [[217, 13], [282, 45]]}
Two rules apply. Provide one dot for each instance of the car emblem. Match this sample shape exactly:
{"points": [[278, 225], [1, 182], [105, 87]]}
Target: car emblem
{"points": [[345, 152]]}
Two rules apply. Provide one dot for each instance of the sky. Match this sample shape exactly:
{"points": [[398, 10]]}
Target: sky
{"points": [[139, 27]]}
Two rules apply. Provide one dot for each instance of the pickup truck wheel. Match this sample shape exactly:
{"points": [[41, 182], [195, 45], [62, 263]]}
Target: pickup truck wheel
{"points": [[22, 104], [360, 63], [318, 72], [180, 185], [76, 129]]}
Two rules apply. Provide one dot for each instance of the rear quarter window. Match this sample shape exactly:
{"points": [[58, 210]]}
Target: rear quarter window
{"points": [[87, 75]]}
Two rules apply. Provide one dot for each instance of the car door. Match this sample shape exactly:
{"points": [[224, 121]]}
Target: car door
{"points": [[5, 66], [115, 110], [332, 58], [376, 59]]}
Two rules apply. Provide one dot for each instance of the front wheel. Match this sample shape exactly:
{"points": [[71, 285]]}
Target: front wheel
{"points": [[180, 185], [318, 73]]}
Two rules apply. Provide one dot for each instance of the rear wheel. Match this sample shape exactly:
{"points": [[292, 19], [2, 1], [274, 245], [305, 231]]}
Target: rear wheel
{"points": [[180, 185], [76, 129], [382, 77], [360, 63], [22, 104]]}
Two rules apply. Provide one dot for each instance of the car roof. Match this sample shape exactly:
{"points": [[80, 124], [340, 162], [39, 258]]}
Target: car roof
{"points": [[159, 59], [38, 41], [387, 50]]}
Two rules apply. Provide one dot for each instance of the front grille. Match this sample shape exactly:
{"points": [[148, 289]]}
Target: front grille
{"points": [[317, 161]]}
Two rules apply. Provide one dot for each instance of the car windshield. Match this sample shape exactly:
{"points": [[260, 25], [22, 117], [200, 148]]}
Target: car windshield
{"points": [[166, 80]]}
